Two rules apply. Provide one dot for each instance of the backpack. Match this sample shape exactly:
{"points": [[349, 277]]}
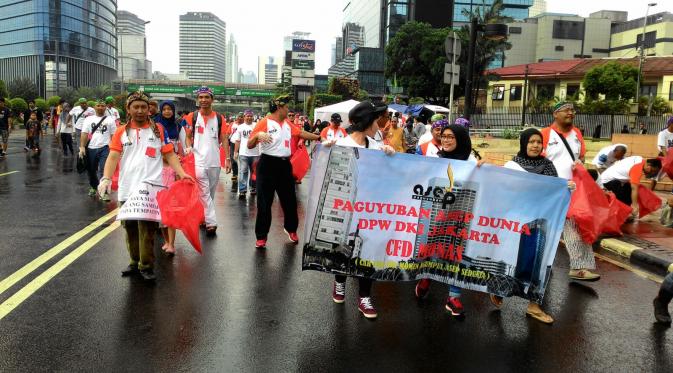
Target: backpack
{"points": [[189, 128]]}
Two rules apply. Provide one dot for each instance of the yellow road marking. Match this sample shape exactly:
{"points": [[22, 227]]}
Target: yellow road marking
{"points": [[30, 267], [9, 173], [649, 276], [15, 300]]}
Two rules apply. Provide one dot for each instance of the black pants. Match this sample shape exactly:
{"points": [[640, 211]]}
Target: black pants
{"points": [[234, 164], [621, 190], [364, 284], [66, 142], [274, 175]]}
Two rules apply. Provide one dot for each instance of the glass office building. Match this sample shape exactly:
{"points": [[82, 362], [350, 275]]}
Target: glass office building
{"points": [[516, 9], [79, 34]]}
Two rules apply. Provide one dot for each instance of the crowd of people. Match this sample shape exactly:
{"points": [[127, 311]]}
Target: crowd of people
{"points": [[150, 142]]}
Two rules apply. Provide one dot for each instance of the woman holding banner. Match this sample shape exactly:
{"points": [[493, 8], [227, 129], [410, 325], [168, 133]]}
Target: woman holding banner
{"points": [[365, 117], [529, 159]]}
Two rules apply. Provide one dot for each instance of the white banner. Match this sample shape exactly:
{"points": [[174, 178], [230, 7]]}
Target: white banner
{"points": [[141, 205]]}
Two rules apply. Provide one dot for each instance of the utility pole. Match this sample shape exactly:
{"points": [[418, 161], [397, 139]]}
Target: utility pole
{"points": [[470, 67], [642, 54], [525, 97], [453, 69]]}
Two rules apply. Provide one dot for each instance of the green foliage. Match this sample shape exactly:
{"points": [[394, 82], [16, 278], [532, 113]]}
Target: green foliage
{"points": [[656, 105], [69, 94], [3, 89], [53, 101], [595, 106], [362, 95], [614, 80], [18, 105], [319, 100], [510, 134], [415, 58], [42, 104], [416, 101], [348, 89], [23, 88]]}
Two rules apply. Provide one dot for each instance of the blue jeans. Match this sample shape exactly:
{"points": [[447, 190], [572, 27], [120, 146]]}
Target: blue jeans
{"points": [[96, 158], [244, 172]]}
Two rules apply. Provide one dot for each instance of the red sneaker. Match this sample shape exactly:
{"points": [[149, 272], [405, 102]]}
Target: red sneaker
{"points": [[261, 244], [454, 306], [367, 308], [339, 292], [292, 236], [422, 288]]}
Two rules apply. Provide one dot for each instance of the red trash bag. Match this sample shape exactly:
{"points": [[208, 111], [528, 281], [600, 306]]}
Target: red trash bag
{"points": [[223, 157], [189, 165], [115, 178], [181, 208], [588, 206], [301, 162], [619, 212], [667, 164], [648, 202]]}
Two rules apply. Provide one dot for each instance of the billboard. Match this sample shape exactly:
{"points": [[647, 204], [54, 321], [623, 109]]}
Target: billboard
{"points": [[303, 81], [303, 65], [303, 56], [299, 45]]}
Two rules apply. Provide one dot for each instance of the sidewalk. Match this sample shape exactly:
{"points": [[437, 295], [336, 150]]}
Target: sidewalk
{"points": [[645, 243]]}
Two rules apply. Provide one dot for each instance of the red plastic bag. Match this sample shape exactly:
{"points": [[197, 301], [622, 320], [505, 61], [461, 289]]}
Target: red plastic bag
{"points": [[301, 162], [253, 172], [223, 157], [647, 201], [588, 206], [115, 178], [667, 164], [619, 212], [181, 208], [189, 165]]}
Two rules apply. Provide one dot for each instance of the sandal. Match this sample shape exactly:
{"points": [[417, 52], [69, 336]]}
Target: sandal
{"points": [[540, 315], [170, 251], [496, 300]]}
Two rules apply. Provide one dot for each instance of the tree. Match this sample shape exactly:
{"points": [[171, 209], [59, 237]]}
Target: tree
{"points": [[22, 87], [69, 94], [653, 105], [3, 89], [53, 101], [415, 60], [348, 89], [42, 104], [614, 80], [18, 106]]}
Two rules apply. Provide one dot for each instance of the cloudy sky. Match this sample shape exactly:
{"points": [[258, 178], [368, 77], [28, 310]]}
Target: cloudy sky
{"points": [[260, 25]]}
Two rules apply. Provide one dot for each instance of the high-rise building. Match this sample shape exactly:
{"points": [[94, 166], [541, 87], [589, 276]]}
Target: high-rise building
{"points": [[268, 69], [249, 77], [79, 34], [538, 7], [203, 46], [132, 47], [515, 9], [232, 60], [338, 49]]}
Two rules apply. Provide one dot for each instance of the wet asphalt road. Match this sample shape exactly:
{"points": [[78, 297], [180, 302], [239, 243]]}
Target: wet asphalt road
{"points": [[235, 308]]}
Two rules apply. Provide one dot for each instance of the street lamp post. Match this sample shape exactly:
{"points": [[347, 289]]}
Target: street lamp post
{"points": [[492, 31], [642, 54]]}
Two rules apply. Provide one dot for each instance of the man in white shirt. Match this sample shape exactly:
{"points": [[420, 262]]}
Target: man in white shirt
{"points": [[111, 111], [428, 136], [78, 113], [97, 130], [234, 163], [246, 157], [623, 178], [607, 156], [665, 137]]}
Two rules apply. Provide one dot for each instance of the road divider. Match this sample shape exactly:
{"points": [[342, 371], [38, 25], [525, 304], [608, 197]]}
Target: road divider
{"points": [[24, 293], [48, 255]]}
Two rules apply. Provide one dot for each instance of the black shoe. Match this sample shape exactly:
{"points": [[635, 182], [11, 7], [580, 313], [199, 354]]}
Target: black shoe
{"points": [[130, 270], [661, 311], [253, 192], [241, 195], [148, 274], [211, 231]]}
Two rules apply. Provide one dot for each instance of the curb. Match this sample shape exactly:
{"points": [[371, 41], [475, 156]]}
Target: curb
{"points": [[639, 256]]}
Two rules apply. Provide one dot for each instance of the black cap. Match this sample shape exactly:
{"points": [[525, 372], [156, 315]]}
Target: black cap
{"points": [[336, 118], [364, 113]]}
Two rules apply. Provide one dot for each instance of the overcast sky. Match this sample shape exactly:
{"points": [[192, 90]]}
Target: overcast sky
{"points": [[260, 25]]}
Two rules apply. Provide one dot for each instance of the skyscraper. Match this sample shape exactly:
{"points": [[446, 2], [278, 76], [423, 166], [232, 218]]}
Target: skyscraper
{"points": [[203, 46], [232, 60], [268, 69], [132, 47], [79, 34]]}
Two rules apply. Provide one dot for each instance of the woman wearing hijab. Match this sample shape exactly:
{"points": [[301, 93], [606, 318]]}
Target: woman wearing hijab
{"points": [[366, 118], [529, 159], [455, 144], [166, 117]]}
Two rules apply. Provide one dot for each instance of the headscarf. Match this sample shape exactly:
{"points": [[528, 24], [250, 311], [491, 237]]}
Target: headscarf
{"points": [[440, 123], [204, 89], [562, 105], [169, 124], [537, 165], [463, 122], [463, 144], [137, 96]]}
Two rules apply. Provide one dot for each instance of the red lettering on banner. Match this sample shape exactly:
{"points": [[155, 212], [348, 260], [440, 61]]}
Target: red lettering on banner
{"points": [[399, 248]]}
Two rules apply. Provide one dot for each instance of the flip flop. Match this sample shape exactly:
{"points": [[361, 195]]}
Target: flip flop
{"points": [[496, 300], [540, 316]]}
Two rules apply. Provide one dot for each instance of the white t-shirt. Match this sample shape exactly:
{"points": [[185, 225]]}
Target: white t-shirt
{"points": [[103, 133], [606, 156], [242, 134], [330, 133], [78, 115], [113, 112], [620, 170], [206, 146], [348, 141], [232, 132], [281, 136], [64, 127], [556, 152], [665, 139]]}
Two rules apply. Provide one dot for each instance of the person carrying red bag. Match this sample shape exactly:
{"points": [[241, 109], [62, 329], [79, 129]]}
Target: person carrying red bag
{"points": [[623, 178], [563, 144]]}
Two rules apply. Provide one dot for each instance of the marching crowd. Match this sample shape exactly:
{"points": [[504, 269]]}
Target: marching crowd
{"points": [[150, 142]]}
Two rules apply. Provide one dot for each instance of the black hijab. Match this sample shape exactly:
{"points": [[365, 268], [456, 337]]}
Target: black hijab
{"points": [[537, 165], [463, 143]]}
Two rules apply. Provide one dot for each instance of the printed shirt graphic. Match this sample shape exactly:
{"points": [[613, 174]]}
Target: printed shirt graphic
{"points": [[628, 169], [4, 119], [141, 159], [103, 133], [556, 151], [281, 135], [665, 139], [242, 134], [329, 133], [78, 115]]}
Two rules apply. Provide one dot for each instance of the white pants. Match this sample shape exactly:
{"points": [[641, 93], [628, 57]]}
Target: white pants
{"points": [[207, 179]]}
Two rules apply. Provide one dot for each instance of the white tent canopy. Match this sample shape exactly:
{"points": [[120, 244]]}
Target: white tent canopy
{"points": [[437, 109], [325, 113]]}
